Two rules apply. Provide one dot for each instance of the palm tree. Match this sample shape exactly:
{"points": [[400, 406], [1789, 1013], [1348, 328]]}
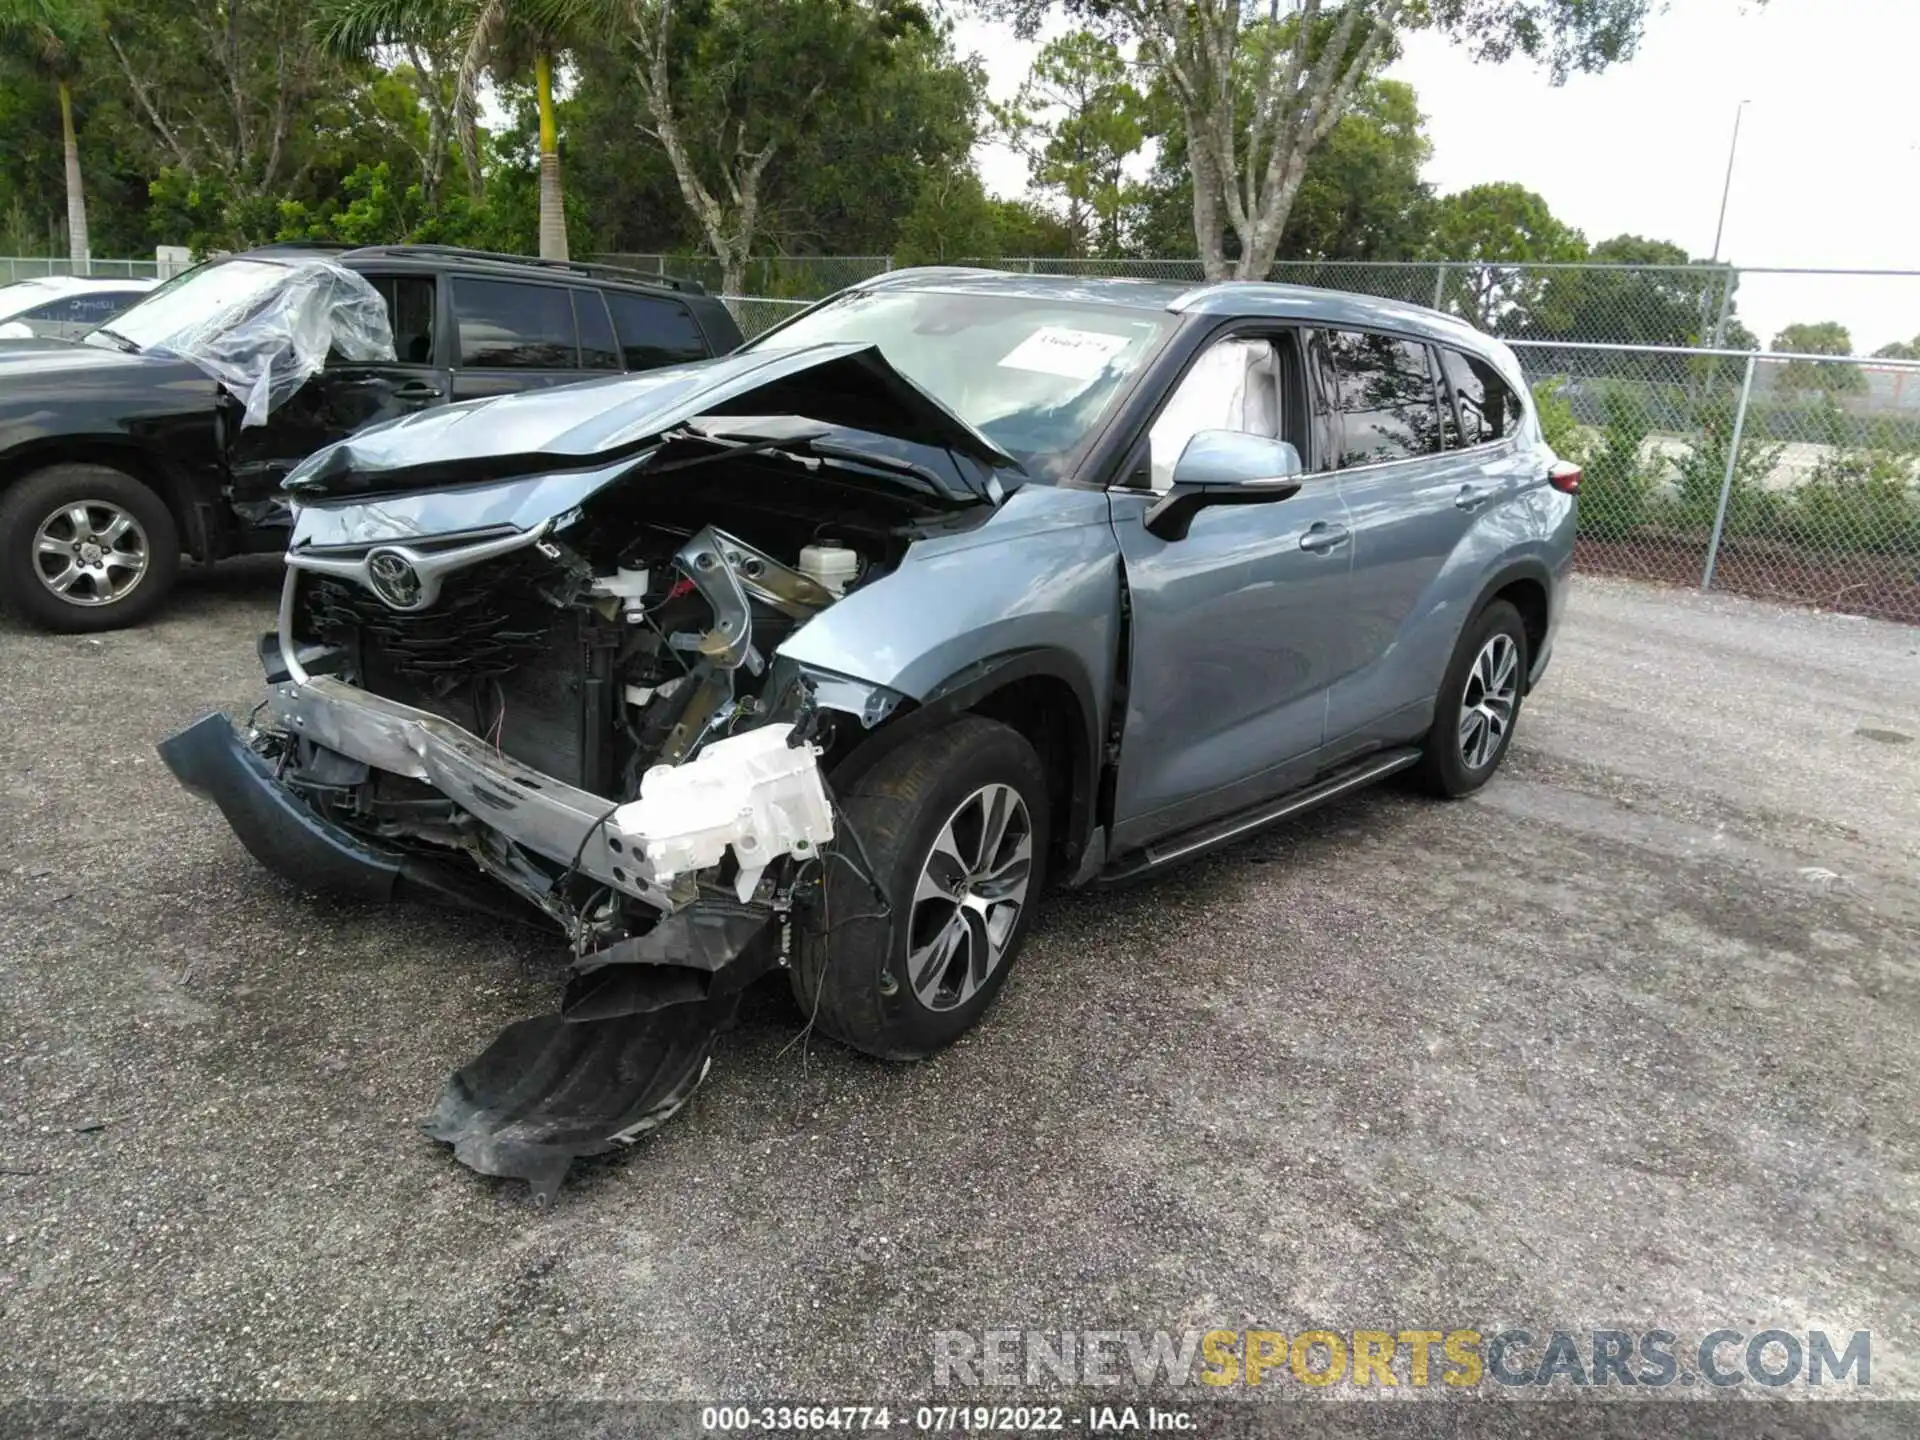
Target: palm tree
{"points": [[489, 35], [46, 35]]}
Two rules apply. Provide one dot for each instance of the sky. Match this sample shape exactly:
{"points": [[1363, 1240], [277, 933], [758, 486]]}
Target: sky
{"points": [[1827, 173]]}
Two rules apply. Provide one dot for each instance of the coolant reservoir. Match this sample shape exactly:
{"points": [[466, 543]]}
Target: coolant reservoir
{"points": [[830, 563]]}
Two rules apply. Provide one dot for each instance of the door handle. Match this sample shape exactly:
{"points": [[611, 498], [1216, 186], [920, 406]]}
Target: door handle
{"points": [[1472, 497], [416, 390], [1322, 537]]}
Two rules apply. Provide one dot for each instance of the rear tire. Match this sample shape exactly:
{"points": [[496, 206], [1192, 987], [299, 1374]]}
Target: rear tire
{"points": [[85, 548], [955, 827], [1478, 705]]}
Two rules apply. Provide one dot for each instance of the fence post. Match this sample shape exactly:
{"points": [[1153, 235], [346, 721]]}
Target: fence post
{"points": [[1729, 280], [1726, 485], [1440, 286]]}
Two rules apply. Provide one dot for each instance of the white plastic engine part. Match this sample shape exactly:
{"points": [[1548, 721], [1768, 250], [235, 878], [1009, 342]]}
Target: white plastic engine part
{"points": [[627, 586], [752, 792], [830, 564]]}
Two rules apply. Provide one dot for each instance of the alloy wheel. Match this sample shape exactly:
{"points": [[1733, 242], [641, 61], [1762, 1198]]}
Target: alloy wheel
{"points": [[90, 552], [968, 900], [1486, 709]]}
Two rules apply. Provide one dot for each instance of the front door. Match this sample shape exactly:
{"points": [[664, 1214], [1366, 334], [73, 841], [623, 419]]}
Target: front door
{"points": [[345, 397], [1237, 629]]}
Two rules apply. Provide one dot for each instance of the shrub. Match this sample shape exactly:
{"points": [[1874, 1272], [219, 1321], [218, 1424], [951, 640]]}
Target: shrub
{"points": [[1619, 479], [1860, 500]]}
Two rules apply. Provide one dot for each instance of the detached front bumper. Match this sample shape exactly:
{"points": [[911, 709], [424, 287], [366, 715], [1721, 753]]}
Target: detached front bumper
{"points": [[754, 794], [211, 758]]}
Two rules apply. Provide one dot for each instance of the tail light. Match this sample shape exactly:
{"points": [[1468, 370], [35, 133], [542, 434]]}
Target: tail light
{"points": [[1564, 477]]}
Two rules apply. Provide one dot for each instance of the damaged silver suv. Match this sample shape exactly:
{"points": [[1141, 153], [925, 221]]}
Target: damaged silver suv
{"points": [[829, 654]]}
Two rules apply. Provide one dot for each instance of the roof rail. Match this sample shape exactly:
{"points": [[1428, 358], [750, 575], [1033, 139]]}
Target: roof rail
{"points": [[496, 257]]}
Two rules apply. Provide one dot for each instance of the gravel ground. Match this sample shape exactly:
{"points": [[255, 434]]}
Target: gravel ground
{"points": [[1626, 1040]]}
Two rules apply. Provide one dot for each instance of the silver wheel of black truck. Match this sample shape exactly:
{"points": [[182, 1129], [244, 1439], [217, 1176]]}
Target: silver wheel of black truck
{"points": [[85, 548]]}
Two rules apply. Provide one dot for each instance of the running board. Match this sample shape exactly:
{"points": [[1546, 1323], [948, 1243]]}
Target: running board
{"points": [[1189, 843]]}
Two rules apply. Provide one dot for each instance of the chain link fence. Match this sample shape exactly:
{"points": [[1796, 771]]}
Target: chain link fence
{"points": [[1783, 477], [755, 314], [1681, 305]]}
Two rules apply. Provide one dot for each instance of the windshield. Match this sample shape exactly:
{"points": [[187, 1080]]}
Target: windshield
{"points": [[1034, 375], [193, 300], [23, 295]]}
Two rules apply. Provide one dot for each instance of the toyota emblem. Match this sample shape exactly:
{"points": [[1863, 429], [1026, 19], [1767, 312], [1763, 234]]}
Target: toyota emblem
{"points": [[393, 578]]}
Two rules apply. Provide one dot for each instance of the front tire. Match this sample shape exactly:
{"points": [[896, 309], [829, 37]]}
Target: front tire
{"points": [[85, 548], [1478, 706], [955, 827]]}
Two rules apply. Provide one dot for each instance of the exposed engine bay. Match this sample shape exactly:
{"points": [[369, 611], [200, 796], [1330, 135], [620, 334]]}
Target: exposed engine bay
{"points": [[529, 660]]}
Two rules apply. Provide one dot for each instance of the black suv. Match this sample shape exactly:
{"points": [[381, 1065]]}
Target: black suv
{"points": [[121, 450]]}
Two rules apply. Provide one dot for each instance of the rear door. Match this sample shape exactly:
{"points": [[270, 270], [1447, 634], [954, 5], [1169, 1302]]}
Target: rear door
{"points": [[1415, 491], [347, 396], [1237, 629], [514, 335]]}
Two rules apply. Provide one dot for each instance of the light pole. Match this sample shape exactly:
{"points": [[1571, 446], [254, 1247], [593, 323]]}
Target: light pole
{"points": [[1719, 233], [1733, 153]]}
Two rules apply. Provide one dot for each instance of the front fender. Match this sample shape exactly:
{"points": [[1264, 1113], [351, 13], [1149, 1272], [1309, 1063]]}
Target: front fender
{"points": [[1042, 575]]}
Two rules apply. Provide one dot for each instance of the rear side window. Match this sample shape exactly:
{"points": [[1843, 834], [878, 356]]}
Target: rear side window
{"points": [[507, 326], [597, 348], [654, 331], [410, 311], [1489, 410], [1385, 394]]}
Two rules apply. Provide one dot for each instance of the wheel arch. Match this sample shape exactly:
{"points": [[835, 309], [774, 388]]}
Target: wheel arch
{"points": [[1527, 584], [143, 465], [1042, 692]]}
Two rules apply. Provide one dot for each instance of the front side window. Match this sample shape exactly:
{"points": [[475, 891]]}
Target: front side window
{"points": [[1035, 375], [508, 326], [1384, 390], [1489, 410], [1234, 385]]}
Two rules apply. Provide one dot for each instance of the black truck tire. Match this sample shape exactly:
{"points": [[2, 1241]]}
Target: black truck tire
{"points": [[85, 525]]}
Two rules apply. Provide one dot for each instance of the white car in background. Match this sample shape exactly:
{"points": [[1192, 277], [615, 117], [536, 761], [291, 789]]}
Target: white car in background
{"points": [[64, 307]]}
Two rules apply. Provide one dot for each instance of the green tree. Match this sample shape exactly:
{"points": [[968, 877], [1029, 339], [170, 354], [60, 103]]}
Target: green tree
{"points": [[1307, 69], [1506, 229], [1638, 292], [1078, 119], [1825, 337], [491, 36], [728, 86], [1899, 350], [1362, 199], [47, 37]]}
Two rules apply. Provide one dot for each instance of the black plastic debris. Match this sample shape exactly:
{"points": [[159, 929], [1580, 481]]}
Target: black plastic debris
{"points": [[551, 1089]]}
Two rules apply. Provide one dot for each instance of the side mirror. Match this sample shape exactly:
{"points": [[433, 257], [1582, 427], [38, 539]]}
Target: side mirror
{"points": [[1224, 467]]}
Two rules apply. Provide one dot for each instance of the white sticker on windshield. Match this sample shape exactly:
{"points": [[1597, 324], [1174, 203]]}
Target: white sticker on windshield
{"points": [[1073, 354]]}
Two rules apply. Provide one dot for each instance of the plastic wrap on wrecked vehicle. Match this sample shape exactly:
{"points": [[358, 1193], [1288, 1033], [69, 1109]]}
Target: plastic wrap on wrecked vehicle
{"points": [[284, 335]]}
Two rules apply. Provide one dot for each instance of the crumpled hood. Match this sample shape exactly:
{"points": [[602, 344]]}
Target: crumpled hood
{"points": [[602, 421]]}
